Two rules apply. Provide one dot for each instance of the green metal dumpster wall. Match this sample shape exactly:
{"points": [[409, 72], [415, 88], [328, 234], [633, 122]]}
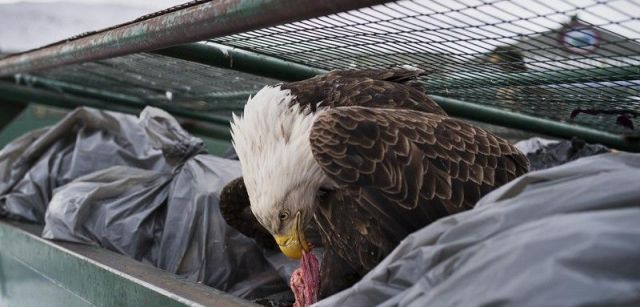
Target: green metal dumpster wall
{"points": [[38, 272], [22, 286]]}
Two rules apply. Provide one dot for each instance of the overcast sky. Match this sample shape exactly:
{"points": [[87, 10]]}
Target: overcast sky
{"points": [[30, 24], [141, 3]]}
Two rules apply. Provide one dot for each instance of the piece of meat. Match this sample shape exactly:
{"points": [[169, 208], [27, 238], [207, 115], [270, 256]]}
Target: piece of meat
{"points": [[305, 280]]}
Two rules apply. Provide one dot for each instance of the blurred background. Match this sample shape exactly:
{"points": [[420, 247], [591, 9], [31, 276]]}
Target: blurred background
{"points": [[29, 24]]}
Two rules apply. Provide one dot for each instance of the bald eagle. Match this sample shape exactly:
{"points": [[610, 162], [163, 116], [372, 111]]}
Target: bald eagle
{"points": [[366, 157]]}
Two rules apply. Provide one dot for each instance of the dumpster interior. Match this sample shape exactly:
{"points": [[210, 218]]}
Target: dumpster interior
{"points": [[91, 157]]}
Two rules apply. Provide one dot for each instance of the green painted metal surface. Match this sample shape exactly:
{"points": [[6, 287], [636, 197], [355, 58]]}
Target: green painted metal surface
{"points": [[24, 287], [529, 123], [241, 60], [25, 94], [79, 89], [222, 56], [563, 76], [37, 272], [215, 146], [220, 135], [33, 117], [217, 127]]}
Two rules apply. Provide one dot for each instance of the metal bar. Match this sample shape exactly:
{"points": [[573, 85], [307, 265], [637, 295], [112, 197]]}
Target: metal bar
{"points": [[104, 95], [76, 89], [190, 24], [452, 106], [222, 56], [25, 94], [583, 75], [100, 277], [529, 123], [216, 125], [235, 95], [255, 63]]}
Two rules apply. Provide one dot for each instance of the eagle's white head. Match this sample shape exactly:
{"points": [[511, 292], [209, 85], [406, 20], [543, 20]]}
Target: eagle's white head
{"points": [[280, 173]]}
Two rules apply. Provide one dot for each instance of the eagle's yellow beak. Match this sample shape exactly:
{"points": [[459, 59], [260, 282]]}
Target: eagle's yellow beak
{"points": [[292, 242]]}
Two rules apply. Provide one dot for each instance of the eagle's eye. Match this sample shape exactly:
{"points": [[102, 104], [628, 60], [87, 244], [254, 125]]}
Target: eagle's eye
{"points": [[284, 214]]}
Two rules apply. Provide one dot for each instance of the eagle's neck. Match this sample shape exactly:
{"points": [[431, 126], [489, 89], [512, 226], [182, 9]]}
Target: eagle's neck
{"points": [[272, 143]]}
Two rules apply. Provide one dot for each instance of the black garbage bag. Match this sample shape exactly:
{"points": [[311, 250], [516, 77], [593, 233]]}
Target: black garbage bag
{"points": [[84, 141], [169, 218], [544, 153], [564, 236]]}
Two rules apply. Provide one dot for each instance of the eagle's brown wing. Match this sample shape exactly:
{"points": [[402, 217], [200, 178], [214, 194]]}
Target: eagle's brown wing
{"points": [[396, 75], [399, 170], [392, 89], [236, 210]]}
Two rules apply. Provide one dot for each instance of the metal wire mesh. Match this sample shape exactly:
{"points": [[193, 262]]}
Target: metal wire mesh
{"points": [[544, 58], [154, 79]]}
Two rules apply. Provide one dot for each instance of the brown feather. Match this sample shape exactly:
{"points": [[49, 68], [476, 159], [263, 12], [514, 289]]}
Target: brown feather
{"points": [[373, 88], [235, 209], [419, 169]]}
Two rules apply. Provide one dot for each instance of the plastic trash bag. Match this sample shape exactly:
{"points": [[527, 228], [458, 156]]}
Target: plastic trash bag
{"points": [[84, 141], [169, 218], [543, 153], [534, 144], [565, 236]]}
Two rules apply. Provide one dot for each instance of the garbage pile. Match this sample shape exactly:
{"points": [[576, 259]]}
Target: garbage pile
{"points": [[146, 188], [141, 187], [85, 141], [564, 236]]}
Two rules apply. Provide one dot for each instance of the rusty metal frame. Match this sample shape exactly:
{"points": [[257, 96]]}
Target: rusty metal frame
{"points": [[196, 22]]}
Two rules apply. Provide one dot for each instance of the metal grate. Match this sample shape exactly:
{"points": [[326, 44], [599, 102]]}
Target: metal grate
{"points": [[543, 58], [146, 78], [547, 58]]}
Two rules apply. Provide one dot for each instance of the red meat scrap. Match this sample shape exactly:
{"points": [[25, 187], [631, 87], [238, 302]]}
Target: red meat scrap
{"points": [[305, 280]]}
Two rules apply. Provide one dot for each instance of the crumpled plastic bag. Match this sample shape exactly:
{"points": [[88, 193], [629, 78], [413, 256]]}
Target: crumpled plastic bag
{"points": [[565, 236], [84, 141], [543, 153], [168, 217], [534, 144]]}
